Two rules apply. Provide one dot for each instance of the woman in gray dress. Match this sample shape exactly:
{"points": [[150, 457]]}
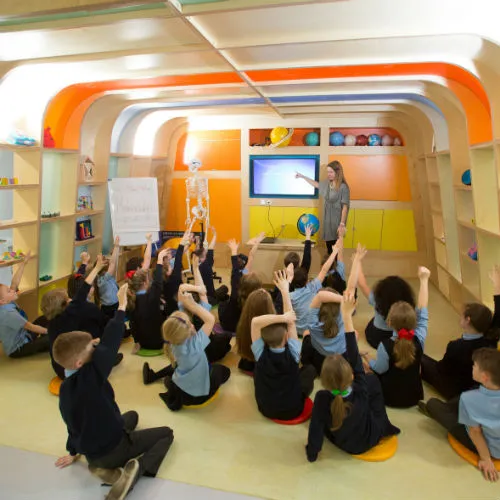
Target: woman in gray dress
{"points": [[335, 193]]}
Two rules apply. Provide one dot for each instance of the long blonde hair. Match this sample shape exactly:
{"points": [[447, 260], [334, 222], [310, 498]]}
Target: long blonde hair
{"points": [[336, 166], [135, 283], [328, 315], [176, 329], [337, 376], [402, 316], [258, 303]]}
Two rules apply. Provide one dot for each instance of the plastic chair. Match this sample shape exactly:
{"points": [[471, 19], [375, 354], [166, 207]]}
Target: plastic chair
{"points": [[206, 403], [149, 353], [385, 449], [55, 386], [303, 417], [466, 454]]}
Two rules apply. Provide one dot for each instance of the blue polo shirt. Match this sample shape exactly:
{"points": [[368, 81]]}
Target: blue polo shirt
{"points": [[12, 332], [108, 289], [301, 301], [322, 344], [192, 372], [481, 407], [294, 346]]}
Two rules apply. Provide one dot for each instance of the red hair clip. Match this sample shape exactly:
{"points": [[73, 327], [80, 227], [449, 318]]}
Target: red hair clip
{"points": [[130, 274]]}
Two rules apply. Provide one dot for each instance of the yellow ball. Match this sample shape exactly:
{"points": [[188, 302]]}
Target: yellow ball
{"points": [[279, 137]]}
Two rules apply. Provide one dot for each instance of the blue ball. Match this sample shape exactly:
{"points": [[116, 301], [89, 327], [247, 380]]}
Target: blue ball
{"points": [[336, 139], [305, 220], [311, 139], [374, 140], [466, 178]]}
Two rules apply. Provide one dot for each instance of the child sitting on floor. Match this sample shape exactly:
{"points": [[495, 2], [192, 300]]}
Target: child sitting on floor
{"points": [[280, 387], [107, 287], [474, 420], [192, 381], [398, 358], [67, 314], [325, 321], [304, 291], [258, 303], [96, 429], [144, 308], [19, 337], [350, 412], [453, 374], [385, 293], [241, 288]]}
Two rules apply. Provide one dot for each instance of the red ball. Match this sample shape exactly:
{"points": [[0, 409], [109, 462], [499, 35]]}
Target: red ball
{"points": [[361, 140]]}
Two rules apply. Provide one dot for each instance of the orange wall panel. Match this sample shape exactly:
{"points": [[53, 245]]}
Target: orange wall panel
{"points": [[217, 149], [225, 207], [377, 177]]}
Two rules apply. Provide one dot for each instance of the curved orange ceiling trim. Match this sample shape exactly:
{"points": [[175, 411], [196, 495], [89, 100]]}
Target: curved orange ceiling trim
{"points": [[63, 105]]}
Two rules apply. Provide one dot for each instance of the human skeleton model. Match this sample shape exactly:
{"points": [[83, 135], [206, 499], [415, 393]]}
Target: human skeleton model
{"points": [[197, 191]]}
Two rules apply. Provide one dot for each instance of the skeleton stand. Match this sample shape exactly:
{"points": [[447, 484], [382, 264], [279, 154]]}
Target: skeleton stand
{"points": [[197, 190]]}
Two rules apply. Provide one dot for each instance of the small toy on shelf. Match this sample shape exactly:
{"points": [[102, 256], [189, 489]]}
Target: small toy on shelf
{"points": [[18, 138], [85, 203], [48, 215], [48, 140], [472, 253], [466, 178], [11, 256], [88, 167], [46, 277], [9, 181], [84, 230]]}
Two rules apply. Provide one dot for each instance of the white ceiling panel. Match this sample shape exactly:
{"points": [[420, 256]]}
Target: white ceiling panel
{"points": [[129, 35]]}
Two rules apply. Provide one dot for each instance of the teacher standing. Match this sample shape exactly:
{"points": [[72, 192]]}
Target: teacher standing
{"points": [[336, 196]]}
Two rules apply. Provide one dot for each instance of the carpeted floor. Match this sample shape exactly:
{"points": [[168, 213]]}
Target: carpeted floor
{"points": [[230, 446]]}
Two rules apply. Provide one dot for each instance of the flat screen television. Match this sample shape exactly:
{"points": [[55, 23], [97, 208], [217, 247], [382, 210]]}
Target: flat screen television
{"points": [[273, 176]]}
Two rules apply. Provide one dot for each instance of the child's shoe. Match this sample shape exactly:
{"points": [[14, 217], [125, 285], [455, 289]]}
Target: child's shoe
{"points": [[107, 476], [148, 375], [127, 480]]}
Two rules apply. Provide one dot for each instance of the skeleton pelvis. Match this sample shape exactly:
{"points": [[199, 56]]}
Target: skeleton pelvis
{"points": [[199, 212]]}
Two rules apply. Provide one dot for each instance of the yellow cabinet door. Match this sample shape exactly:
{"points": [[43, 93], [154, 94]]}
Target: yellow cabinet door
{"points": [[398, 232], [368, 228], [349, 229]]}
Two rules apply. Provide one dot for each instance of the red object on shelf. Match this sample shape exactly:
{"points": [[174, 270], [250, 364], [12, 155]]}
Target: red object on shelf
{"points": [[48, 140]]}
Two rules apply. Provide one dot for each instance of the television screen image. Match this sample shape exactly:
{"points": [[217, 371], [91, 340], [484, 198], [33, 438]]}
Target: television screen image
{"points": [[274, 176]]}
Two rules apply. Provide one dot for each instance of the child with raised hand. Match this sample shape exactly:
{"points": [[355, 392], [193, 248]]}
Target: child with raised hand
{"points": [[144, 263], [96, 428], [241, 288], [304, 291], [193, 381], [19, 337], [453, 374], [280, 386], [350, 412], [335, 277], [67, 314], [398, 358], [474, 419], [107, 287], [258, 303], [385, 293], [144, 300], [325, 323], [254, 242]]}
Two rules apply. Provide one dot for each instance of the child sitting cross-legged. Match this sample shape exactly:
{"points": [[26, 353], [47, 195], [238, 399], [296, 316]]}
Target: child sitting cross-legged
{"points": [[280, 386], [96, 428], [474, 420], [19, 337], [398, 358], [193, 381], [350, 412]]}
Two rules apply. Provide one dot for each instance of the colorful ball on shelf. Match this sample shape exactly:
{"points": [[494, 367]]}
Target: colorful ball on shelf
{"points": [[387, 140], [472, 253], [361, 140], [374, 140], [350, 140], [311, 139], [281, 136], [337, 139], [306, 220], [397, 142], [466, 178]]}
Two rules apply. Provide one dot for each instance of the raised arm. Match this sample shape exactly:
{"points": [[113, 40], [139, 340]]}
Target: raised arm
{"points": [[325, 296], [353, 276], [255, 242], [352, 351], [213, 241], [306, 258], [83, 292], [114, 257], [235, 272], [146, 263], [260, 322], [495, 279], [328, 264], [423, 294], [207, 317], [85, 260], [198, 280], [365, 289], [312, 182], [282, 283], [16, 279]]}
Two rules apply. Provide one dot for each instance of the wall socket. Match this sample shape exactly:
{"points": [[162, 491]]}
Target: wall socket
{"points": [[266, 202]]}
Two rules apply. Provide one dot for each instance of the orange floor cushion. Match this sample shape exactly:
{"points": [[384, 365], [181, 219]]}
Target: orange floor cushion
{"points": [[385, 449], [206, 403], [55, 386], [303, 417], [466, 454]]}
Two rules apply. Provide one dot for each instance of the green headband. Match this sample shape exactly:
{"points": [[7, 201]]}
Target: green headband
{"points": [[345, 393]]}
